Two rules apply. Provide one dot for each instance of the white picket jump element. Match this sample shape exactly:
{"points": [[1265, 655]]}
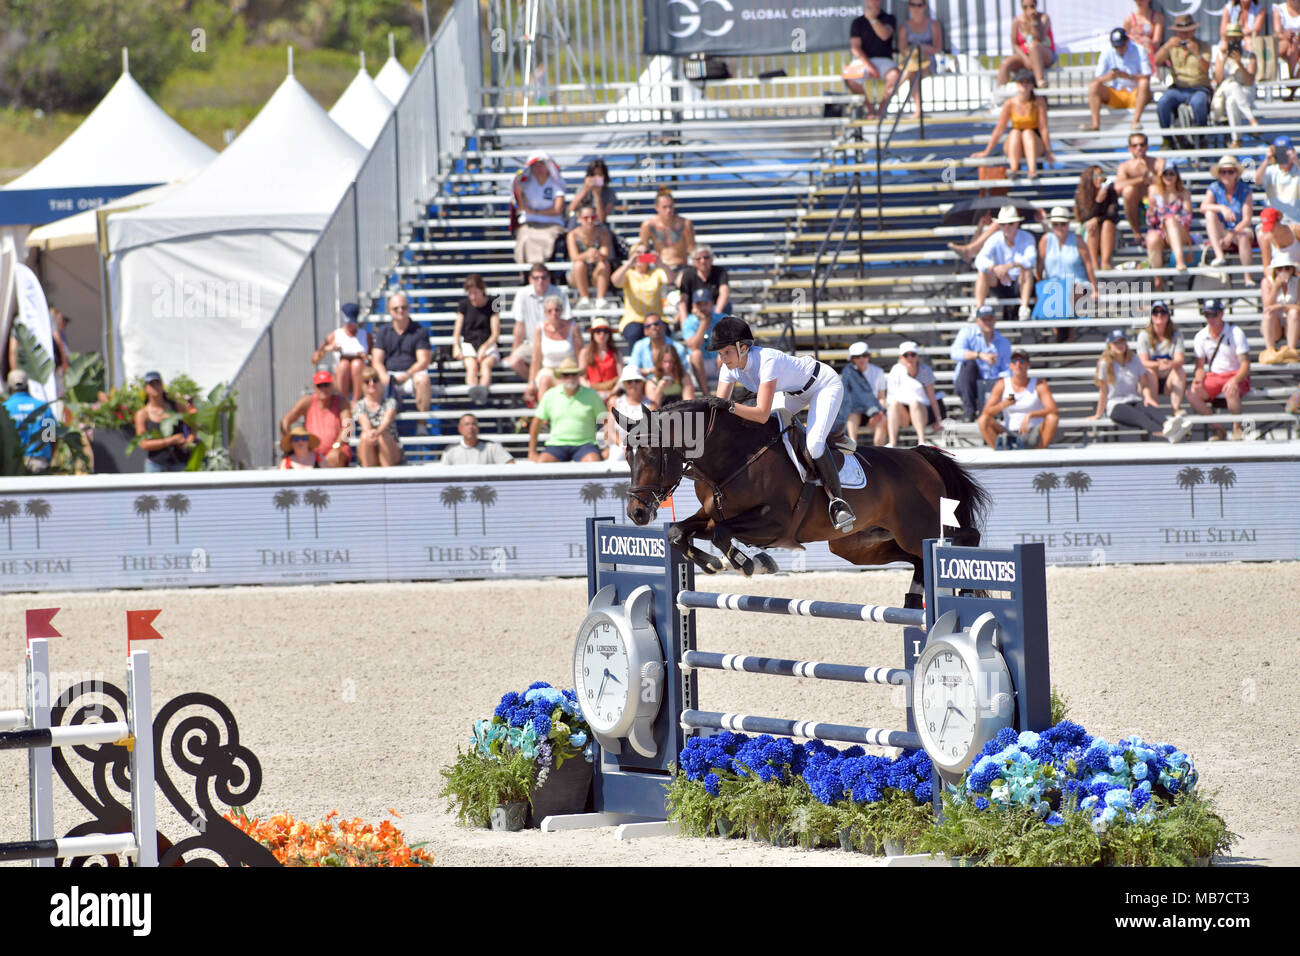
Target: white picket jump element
{"points": [[12, 719]]}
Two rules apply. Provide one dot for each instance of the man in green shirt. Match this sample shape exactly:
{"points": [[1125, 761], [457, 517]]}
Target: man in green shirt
{"points": [[1189, 74], [572, 410]]}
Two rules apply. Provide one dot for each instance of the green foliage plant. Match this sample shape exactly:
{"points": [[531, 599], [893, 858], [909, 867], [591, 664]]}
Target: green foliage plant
{"points": [[476, 785]]}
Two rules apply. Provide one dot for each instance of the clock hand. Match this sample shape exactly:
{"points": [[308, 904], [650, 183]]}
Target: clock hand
{"points": [[944, 725], [601, 692]]}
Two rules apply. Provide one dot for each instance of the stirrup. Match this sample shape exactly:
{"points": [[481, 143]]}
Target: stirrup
{"points": [[842, 515]]}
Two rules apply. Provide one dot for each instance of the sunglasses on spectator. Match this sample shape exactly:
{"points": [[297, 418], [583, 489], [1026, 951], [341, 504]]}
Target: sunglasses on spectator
{"points": [[535, 276], [298, 438], [1159, 311], [324, 384], [1169, 173], [909, 355], [370, 381], [704, 255], [651, 325], [1020, 361]]}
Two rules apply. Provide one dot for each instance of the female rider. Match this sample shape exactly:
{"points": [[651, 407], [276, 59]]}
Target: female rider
{"points": [[803, 383]]}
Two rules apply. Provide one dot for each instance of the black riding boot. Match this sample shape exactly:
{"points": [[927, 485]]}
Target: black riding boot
{"points": [[842, 516]]}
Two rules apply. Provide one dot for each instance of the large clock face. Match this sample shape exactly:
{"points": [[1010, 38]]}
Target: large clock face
{"points": [[602, 676], [948, 706]]}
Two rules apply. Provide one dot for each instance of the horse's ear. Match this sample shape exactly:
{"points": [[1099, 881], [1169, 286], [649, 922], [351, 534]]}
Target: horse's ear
{"points": [[621, 420]]}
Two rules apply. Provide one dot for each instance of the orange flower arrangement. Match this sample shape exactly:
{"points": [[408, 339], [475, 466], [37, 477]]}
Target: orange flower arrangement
{"points": [[297, 843]]}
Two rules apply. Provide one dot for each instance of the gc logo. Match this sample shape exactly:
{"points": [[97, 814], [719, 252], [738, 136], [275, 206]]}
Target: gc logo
{"points": [[692, 20]]}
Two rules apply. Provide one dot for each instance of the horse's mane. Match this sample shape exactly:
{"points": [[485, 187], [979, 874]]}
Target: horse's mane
{"points": [[710, 403]]}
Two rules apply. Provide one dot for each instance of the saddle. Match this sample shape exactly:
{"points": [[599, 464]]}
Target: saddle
{"points": [[837, 441]]}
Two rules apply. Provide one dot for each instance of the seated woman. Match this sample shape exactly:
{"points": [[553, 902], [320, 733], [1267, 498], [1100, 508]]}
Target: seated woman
{"points": [[600, 358], [668, 235], [920, 37], [644, 283], [669, 383], [555, 343], [1096, 207], [1169, 214], [1031, 35], [476, 332], [1026, 114], [910, 398], [377, 415], [1280, 325], [1160, 347], [1286, 27], [1227, 209], [630, 401], [595, 193], [1126, 392], [590, 250], [1062, 258]]}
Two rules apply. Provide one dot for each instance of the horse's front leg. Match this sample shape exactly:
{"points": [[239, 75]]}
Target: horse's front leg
{"points": [[724, 539], [681, 536]]}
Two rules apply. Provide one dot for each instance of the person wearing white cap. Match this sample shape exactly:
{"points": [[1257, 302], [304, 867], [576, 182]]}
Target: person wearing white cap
{"points": [[1281, 308], [1227, 208], [909, 392], [1006, 262], [539, 198], [631, 402], [864, 394]]}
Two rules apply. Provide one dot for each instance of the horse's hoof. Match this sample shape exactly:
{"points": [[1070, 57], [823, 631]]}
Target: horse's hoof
{"points": [[711, 565], [765, 564], [745, 566]]}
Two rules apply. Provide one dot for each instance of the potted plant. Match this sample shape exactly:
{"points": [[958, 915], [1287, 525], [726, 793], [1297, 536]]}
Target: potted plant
{"points": [[478, 787]]}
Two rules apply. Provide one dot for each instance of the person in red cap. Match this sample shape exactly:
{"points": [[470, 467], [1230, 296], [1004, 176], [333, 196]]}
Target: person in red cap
{"points": [[1275, 236], [326, 414]]}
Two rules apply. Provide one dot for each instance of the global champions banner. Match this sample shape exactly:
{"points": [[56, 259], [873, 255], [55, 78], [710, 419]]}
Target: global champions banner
{"points": [[746, 27]]}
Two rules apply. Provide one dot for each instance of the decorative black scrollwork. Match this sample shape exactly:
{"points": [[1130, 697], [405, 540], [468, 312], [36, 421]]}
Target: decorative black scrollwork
{"points": [[227, 770]]}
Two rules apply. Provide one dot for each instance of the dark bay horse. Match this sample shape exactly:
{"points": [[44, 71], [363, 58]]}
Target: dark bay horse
{"points": [[752, 493]]}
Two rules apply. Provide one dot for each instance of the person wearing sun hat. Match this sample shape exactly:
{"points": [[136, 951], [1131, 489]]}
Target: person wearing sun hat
{"points": [[539, 198], [1122, 80], [1234, 71], [1006, 262], [1281, 308], [572, 411], [1227, 208], [1062, 258], [299, 447], [1189, 72]]}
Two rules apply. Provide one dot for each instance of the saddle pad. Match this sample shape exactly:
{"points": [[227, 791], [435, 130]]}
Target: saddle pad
{"points": [[852, 474]]}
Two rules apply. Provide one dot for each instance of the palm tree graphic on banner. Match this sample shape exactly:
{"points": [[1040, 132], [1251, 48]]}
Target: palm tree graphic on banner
{"points": [[319, 499], [1224, 477], [592, 492], [284, 500], [486, 496], [1189, 478], [453, 497], [1078, 481], [10, 509], [178, 505], [145, 506], [38, 509], [1045, 482], [619, 493]]}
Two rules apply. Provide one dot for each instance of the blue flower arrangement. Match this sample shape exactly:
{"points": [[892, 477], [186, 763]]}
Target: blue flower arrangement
{"points": [[543, 723]]}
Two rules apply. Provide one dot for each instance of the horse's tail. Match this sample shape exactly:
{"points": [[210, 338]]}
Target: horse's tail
{"points": [[960, 484]]}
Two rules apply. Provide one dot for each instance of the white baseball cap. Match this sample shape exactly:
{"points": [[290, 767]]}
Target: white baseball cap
{"points": [[908, 347], [631, 374], [858, 348]]}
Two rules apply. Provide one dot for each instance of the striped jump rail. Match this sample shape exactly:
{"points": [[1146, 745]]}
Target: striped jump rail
{"points": [[80, 735], [779, 726], [878, 613], [68, 847], [708, 660]]}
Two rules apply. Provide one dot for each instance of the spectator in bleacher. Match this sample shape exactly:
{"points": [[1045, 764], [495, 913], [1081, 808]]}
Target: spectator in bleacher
{"points": [[702, 273], [600, 358], [38, 451], [864, 395], [1006, 262], [1247, 17], [539, 199], [353, 346], [595, 193], [909, 395], [401, 354], [695, 336], [1133, 180], [1096, 206], [1169, 215], [556, 344], [376, 413], [871, 56], [1227, 208], [630, 400], [1189, 75], [1286, 28], [668, 382], [644, 283], [984, 229], [1063, 260], [1281, 308], [1160, 347], [1222, 366], [1031, 34], [1146, 26], [1020, 408], [918, 41], [476, 332], [1275, 236], [470, 450], [526, 310], [645, 354], [1234, 75], [328, 416], [1126, 392], [982, 355], [591, 249], [1280, 177], [299, 447], [1122, 80], [668, 235], [1024, 120], [572, 411]]}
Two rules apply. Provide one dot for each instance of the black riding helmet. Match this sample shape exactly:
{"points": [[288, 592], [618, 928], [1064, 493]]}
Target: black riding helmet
{"points": [[730, 330]]}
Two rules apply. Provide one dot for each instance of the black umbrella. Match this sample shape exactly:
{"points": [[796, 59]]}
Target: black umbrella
{"points": [[968, 211]]}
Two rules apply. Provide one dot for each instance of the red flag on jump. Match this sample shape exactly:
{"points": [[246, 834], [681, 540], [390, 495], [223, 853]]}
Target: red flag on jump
{"points": [[39, 622], [139, 627]]}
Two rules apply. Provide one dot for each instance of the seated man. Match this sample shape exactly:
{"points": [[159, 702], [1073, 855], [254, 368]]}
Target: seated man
{"points": [[1189, 74], [1123, 80], [328, 416], [402, 355], [656, 337], [982, 355], [572, 411], [1020, 412], [864, 395], [910, 395], [1006, 262], [35, 433], [695, 336], [471, 451], [1222, 366]]}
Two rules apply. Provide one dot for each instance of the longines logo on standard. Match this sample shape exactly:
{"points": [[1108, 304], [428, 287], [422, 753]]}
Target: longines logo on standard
{"points": [[982, 570], [621, 545]]}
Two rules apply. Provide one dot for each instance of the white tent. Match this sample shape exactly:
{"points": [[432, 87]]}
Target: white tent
{"points": [[362, 110], [126, 141], [392, 78], [196, 277]]}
